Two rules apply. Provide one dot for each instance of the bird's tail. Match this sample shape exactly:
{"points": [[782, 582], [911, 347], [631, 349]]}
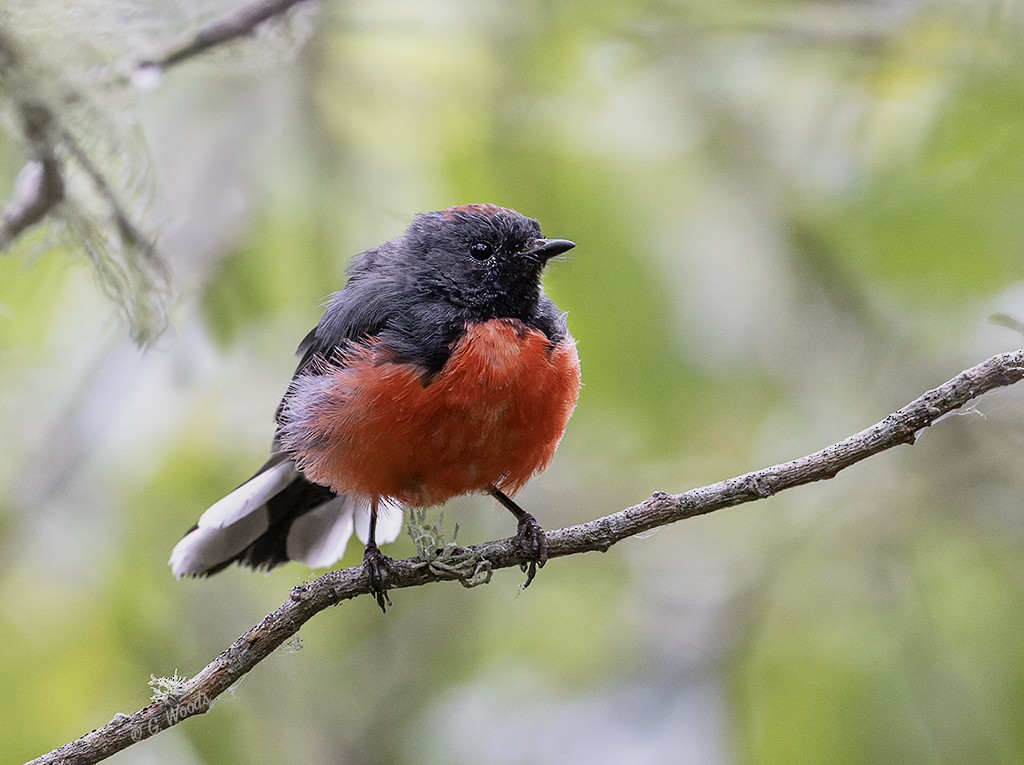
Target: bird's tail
{"points": [[277, 516]]}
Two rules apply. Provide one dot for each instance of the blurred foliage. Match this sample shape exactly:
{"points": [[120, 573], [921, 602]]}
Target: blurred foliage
{"points": [[65, 109], [792, 218]]}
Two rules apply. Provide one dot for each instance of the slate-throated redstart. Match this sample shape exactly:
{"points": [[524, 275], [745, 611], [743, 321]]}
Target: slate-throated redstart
{"points": [[440, 369]]}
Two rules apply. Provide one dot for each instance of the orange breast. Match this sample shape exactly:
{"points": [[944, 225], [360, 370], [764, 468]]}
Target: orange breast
{"points": [[493, 415]]}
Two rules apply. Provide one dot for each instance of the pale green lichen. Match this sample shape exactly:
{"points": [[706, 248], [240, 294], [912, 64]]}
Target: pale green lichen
{"points": [[68, 64], [166, 688], [446, 558]]}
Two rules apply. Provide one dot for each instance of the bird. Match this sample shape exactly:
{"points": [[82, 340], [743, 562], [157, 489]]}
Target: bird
{"points": [[440, 369]]}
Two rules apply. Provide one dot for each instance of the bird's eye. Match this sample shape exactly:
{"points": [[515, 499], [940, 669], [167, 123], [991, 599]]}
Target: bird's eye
{"points": [[481, 250]]}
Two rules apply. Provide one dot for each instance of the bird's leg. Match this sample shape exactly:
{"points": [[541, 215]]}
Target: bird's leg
{"points": [[529, 538], [376, 565]]}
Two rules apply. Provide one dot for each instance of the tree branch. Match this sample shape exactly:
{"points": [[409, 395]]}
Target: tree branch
{"points": [[196, 695], [40, 186], [232, 25]]}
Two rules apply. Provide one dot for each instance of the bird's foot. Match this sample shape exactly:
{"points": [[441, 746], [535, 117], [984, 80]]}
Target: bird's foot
{"points": [[377, 567], [532, 543]]}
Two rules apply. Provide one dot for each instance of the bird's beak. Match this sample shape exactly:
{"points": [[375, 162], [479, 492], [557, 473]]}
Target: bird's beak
{"points": [[545, 249]]}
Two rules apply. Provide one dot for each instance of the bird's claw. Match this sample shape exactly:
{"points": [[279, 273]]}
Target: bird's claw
{"points": [[377, 567], [532, 543]]}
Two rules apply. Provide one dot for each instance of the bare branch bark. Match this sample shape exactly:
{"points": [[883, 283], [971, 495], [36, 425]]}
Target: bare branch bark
{"points": [[232, 25], [37, 190], [305, 601], [40, 184]]}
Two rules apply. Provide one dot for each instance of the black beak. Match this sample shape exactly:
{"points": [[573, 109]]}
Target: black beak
{"points": [[545, 249]]}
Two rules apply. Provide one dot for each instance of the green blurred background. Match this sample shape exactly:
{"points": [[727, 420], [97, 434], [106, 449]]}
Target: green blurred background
{"points": [[792, 218]]}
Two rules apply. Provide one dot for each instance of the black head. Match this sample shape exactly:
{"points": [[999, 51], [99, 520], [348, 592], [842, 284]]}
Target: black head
{"points": [[486, 260], [417, 292]]}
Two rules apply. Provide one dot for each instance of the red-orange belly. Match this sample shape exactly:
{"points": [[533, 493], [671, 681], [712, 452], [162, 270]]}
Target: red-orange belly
{"points": [[493, 415]]}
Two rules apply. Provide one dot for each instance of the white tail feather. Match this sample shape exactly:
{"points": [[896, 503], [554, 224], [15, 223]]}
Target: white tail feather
{"points": [[389, 520], [251, 495], [318, 538], [202, 549]]}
